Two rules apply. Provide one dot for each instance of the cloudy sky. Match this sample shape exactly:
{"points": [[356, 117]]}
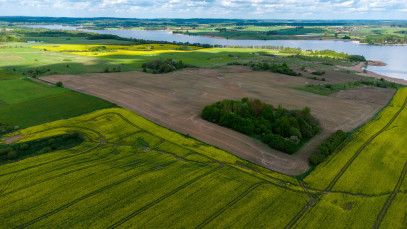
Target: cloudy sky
{"points": [[247, 9]]}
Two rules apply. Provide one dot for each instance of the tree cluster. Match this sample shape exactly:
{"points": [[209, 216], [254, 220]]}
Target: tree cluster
{"points": [[280, 128], [46, 145], [164, 66], [277, 68], [327, 147]]}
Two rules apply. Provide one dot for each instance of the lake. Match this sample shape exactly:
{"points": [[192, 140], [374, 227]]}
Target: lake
{"points": [[394, 56]]}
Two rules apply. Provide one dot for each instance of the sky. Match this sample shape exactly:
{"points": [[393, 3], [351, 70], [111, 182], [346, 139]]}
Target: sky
{"points": [[240, 9]]}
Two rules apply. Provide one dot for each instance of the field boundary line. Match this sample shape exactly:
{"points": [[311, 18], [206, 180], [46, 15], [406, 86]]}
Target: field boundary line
{"points": [[347, 165], [230, 204], [106, 187], [149, 205], [390, 199]]}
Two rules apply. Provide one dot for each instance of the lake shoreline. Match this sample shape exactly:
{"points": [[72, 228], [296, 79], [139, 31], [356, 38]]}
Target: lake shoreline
{"points": [[360, 69]]}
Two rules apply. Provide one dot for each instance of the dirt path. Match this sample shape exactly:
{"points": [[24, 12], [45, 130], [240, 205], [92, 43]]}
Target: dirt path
{"points": [[175, 101]]}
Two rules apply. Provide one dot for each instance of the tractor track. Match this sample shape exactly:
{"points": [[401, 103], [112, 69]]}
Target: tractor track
{"points": [[149, 205], [104, 188], [230, 204], [343, 170], [380, 217], [62, 174], [390, 199]]}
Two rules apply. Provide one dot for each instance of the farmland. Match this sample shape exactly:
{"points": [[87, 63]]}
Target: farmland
{"points": [[111, 165], [26, 103], [175, 100], [130, 172]]}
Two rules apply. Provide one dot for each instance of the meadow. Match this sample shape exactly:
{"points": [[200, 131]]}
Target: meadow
{"points": [[25, 103]]}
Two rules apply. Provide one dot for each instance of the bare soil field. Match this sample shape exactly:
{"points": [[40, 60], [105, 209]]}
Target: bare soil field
{"points": [[175, 101]]}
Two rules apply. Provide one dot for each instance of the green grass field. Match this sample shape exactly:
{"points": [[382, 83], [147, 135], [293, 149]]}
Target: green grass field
{"points": [[26, 103]]}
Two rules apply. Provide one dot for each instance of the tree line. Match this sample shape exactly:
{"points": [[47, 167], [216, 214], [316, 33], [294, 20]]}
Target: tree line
{"points": [[164, 66], [328, 147], [280, 128]]}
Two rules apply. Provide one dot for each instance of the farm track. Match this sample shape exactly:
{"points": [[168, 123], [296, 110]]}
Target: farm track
{"points": [[304, 210], [343, 170], [390, 199], [33, 221], [230, 204], [145, 207]]}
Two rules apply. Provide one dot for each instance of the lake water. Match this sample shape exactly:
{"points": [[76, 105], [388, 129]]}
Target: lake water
{"points": [[394, 56]]}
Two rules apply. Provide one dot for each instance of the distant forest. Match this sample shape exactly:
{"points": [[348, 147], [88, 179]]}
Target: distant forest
{"points": [[133, 22]]}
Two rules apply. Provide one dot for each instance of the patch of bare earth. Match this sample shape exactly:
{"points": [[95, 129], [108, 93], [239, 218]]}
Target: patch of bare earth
{"points": [[12, 139], [175, 100]]}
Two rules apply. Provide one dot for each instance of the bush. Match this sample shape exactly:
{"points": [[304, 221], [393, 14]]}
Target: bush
{"points": [[316, 159], [59, 84], [12, 154], [4, 151], [328, 146], [358, 58], [160, 66], [24, 146]]}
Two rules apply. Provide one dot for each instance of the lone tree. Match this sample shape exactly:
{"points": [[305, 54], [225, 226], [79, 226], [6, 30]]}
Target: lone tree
{"points": [[59, 84]]}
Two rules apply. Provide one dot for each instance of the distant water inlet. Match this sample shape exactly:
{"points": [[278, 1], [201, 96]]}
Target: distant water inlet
{"points": [[394, 56]]}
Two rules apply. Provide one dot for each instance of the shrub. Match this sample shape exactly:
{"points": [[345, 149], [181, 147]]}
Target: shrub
{"points": [[316, 159], [12, 154], [328, 146], [59, 84], [24, 146], [4, 151]]}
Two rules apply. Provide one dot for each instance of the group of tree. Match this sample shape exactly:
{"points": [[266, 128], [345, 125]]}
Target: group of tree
{"points": [[164, 66], [384, 39], [328, 147], [277, 68], [45, 145], [280, 128]]}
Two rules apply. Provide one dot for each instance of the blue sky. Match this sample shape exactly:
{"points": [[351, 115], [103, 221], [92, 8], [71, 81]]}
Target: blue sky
{"points": [[245, 9]]}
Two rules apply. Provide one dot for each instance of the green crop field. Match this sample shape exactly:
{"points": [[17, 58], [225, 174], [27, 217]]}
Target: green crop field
{"points": [[130, 172]]}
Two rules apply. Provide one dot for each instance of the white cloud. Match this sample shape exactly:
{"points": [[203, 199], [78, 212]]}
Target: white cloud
{"points": [[306, 9]]}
